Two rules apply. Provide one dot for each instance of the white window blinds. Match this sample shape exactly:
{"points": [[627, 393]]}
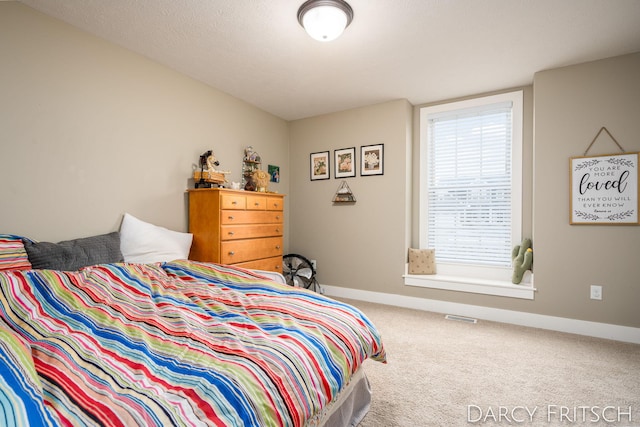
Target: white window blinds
{"points": [[469, 185]]}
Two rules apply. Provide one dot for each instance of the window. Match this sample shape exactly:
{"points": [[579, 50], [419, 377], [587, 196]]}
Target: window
{"points": [[470, 184]]}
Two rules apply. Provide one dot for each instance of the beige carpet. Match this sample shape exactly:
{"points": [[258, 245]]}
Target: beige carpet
{"points": [[447, 373]]}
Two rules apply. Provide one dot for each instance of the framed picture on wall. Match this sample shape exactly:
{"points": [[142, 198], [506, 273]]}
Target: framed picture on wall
{"points": [[319, 165], [345, 162], [604, 189], [372, 160], [274, 173]]}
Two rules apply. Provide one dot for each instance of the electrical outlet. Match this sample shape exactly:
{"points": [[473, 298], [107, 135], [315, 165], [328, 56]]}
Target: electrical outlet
{"points": [[596, 292]]}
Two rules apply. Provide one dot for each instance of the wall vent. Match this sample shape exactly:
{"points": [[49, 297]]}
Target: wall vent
{"points": [[460, 318]]}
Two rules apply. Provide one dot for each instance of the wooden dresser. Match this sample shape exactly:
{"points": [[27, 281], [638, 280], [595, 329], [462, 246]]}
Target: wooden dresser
{"points": [[237, 227]]}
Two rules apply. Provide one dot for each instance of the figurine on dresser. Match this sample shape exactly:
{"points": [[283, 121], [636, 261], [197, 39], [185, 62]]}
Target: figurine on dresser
{"points": [[211, 177], [250, 164]]}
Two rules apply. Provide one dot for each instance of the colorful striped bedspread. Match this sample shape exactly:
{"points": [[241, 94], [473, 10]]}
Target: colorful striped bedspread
{"points": [[179, 343]]}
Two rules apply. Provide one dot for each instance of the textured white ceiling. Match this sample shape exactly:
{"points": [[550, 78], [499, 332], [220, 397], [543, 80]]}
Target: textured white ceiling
{"points": [[421, 50]]}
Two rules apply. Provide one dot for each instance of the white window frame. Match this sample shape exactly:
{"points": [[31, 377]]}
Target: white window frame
{"points": [[467, 277]]}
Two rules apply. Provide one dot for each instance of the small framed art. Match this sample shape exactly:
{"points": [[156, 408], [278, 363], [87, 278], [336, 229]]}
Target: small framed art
{"points": [[274, 173], [319, 166], [372, 160], [345, 162]]}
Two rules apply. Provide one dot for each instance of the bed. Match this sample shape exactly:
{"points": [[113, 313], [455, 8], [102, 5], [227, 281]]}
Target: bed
{"points": [[174, 343]]}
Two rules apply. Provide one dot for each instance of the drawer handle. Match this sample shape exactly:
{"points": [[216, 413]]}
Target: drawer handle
{"points": [[278, 217], [231, 218], [256, 204], [277, 230], [235, 202], [275, 205], [231, 253], [277, 246], [231, 233], [277, 267]]}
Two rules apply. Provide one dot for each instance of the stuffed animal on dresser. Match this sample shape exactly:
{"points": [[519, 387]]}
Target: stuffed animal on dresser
{"points": [[261, 180]]}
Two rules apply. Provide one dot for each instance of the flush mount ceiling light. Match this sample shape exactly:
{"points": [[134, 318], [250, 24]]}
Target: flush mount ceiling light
{"points": [[325, 20]]}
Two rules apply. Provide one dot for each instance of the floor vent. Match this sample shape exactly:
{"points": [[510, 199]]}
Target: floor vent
{"points": [[460, 318]]}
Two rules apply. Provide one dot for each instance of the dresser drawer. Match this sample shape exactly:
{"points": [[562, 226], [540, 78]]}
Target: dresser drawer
{"points": [[256, 203], [233, 201], [268, 264], [275, 204], [234, 232], [235, 251], [250, 217]]}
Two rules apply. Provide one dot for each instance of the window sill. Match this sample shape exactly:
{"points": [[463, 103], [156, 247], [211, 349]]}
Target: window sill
{"points": [[473, 285]]}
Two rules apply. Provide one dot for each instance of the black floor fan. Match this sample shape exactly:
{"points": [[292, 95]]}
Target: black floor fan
{"points": [[298, 271]]}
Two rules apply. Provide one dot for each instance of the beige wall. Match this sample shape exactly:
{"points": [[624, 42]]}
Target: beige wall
{"points": [[363, 245], [571, 105], [89, 130]]}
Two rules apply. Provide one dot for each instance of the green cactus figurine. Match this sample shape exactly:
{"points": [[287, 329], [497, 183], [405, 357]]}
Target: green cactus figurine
{"points": [[522, 256]]}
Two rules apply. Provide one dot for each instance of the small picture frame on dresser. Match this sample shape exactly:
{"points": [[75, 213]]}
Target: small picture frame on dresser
{"points": [[320, 166]]}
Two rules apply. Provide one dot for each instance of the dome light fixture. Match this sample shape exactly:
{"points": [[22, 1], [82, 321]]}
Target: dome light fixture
{"points": [[325, 20]]}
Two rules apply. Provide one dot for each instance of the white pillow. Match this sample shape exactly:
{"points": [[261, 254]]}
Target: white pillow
{"points": [[144, 243]]}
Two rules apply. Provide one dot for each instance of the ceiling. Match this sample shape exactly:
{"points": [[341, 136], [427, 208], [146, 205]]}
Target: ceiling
{"points": [[421, 50]]}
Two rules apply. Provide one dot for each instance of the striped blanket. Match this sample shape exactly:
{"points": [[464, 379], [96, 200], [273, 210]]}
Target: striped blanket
{"points": [[179, 343]]}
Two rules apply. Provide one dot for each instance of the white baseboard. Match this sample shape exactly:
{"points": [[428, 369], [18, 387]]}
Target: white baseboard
{"points": [[561, 324]]}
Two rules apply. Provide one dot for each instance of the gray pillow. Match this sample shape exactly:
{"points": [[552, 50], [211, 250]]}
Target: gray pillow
{"points": [[71, 255]]}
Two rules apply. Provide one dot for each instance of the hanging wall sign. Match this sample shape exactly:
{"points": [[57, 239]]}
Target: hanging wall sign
{"points": [[604, 189]]}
